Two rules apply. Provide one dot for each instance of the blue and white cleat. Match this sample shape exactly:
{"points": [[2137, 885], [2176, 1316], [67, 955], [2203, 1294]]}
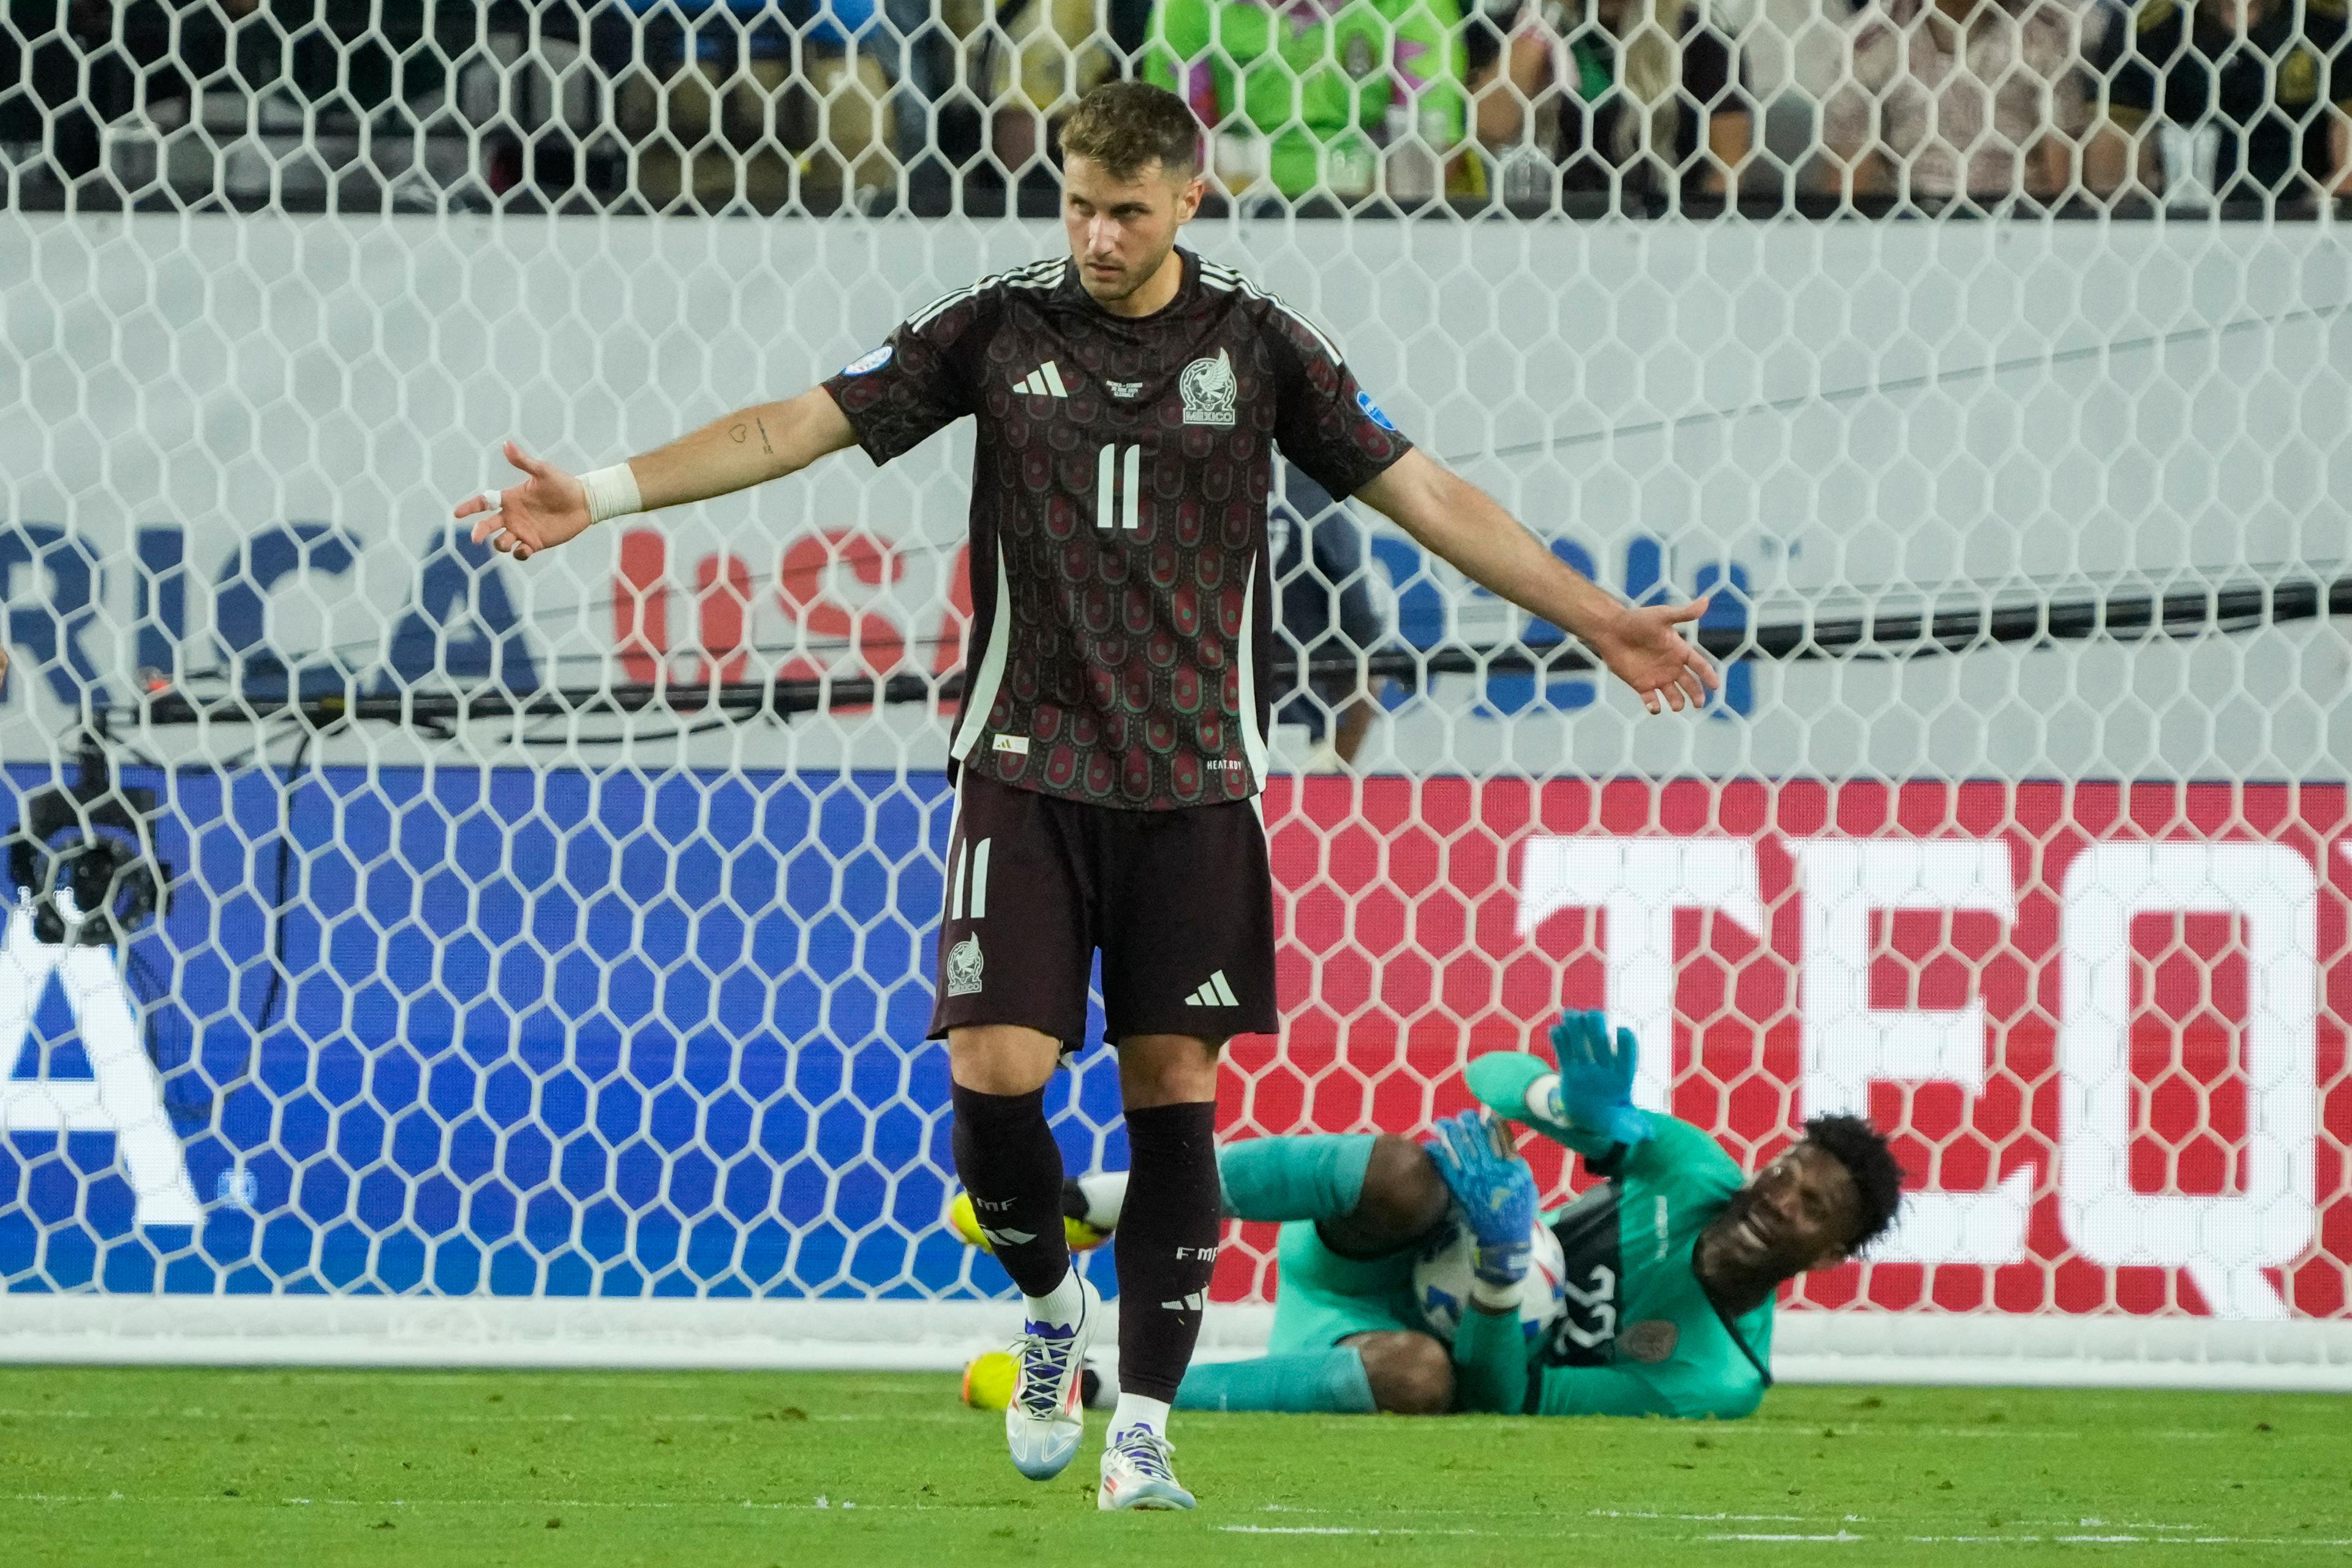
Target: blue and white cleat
{"points": [[1046, 1417], [1136, 1474]]}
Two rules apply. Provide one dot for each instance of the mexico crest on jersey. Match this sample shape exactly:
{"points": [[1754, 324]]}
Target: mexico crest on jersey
{"points": [[1209, 391]]}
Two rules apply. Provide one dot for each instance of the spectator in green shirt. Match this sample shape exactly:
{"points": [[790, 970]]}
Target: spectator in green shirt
{"points": [[1304, 97]]}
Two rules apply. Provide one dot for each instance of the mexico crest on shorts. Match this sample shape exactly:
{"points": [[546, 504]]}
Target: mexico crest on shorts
{"points": [[963, 967], [1209, 391]]}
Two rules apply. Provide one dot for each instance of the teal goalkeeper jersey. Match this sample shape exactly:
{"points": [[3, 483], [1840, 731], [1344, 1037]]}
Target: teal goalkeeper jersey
{"points": [[1638, 1336]]}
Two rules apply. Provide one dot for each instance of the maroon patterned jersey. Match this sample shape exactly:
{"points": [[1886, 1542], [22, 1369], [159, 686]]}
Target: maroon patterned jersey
{"points": [[1122, 611]]}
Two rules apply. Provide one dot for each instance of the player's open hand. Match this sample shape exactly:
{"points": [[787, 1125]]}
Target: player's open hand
{"points": [[1644, 648], [548, 507], [1493, 1188], [1596, 1077]]}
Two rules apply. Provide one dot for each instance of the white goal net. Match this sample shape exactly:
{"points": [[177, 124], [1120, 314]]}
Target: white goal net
{"points": [[547, 951]]}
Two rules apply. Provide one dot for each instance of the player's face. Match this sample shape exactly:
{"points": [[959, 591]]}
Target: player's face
{"points": [[1121, 231], [1797, 1213]]}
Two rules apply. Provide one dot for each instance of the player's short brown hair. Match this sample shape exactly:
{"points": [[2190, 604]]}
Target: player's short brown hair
{"points": [[1128, 126]]}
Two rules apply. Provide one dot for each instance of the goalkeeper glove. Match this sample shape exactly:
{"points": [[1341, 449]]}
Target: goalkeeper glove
{"points": [[1497, 1194], [1595, 1091]]}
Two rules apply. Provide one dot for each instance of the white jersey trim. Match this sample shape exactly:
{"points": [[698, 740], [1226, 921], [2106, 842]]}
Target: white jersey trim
{"points": [[955, 822], [980, 695], [1253, 738], [1045, 274], [1226, 280]]}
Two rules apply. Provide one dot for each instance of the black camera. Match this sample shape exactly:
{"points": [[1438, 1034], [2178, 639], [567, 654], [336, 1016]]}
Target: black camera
{"points": [[86, 856]]}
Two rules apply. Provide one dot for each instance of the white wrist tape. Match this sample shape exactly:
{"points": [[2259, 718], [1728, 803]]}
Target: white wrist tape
{"points": [[1543, 1098], [1491, 1298], [612, 492]]}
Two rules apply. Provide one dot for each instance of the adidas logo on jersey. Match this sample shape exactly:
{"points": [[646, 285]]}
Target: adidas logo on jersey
{"points": [[1215, 994], [1045, 381]]}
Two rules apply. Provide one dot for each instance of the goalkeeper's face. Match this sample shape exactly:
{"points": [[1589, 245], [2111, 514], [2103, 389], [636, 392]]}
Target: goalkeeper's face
{"points": [[1802, 1211], [1123, 230]]}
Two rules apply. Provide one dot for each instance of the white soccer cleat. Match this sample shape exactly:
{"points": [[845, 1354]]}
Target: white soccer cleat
{"points": [[1046, 1417], [1136, 1474]]}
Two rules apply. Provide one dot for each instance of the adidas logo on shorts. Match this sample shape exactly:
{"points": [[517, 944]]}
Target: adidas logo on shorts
{"points": [[1214, 993]]}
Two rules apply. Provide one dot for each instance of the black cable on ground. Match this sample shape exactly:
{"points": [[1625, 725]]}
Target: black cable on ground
{"points": [[286, 795]]}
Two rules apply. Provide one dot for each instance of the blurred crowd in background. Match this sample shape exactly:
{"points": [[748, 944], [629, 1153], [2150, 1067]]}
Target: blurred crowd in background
{"points": [[1647, 107]]}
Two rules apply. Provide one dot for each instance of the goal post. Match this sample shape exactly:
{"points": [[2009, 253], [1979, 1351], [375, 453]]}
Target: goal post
{"points": [[547, 954]]}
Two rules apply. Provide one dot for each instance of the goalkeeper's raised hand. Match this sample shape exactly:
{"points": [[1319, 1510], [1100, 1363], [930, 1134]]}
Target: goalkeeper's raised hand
{"points": [[1497, 1194], [1595, 1091]]}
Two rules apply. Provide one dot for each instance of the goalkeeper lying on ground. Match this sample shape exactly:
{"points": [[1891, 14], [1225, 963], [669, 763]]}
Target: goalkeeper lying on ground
{"points": [[1666, 1272]]}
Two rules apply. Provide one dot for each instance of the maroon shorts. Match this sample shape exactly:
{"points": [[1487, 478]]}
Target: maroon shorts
{"points": [[1180, 902]]}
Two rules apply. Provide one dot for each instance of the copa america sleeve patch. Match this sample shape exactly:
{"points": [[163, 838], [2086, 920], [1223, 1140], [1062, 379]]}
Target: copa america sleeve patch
{"points": [[1371, 410], [863, 363]]}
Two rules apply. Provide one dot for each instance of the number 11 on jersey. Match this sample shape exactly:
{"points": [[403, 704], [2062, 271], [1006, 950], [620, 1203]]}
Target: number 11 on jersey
{"points": [[1119, 488]]}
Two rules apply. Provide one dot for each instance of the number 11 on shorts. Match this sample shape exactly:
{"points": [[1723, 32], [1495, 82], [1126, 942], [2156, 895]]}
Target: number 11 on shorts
{"points": [[973, 869]]}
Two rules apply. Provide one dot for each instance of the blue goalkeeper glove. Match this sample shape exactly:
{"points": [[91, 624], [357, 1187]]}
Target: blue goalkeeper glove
{"points": [[1494, 1191], [1596, 1078]]}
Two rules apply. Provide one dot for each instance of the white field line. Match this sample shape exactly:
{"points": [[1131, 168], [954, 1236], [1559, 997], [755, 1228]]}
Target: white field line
{"points": [[1713, 1430], [1848, 1537], [1762, 1427], [1342, 1529], [2078, 1531], [2088, 1522], [821, 1504], [471, 1418], [1698, 1518]]}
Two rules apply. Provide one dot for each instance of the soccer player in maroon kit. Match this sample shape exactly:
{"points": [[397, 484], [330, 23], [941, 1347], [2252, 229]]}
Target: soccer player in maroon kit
{"points": [[1112, 736]]}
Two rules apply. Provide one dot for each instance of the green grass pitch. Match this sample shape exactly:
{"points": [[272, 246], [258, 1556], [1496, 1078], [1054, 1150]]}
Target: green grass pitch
{"points": [[711, 1470]]}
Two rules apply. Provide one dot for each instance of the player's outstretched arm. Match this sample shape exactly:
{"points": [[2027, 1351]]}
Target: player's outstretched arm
{"points": [[1490, 1362], [1494, 1193], [1523, 1087], [1585, 1102], [1594, 1090], [747, 447], [1461, 524]]}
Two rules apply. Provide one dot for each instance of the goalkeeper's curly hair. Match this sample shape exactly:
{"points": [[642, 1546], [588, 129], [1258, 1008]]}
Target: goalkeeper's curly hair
{"points": [[1877, 1179]]}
